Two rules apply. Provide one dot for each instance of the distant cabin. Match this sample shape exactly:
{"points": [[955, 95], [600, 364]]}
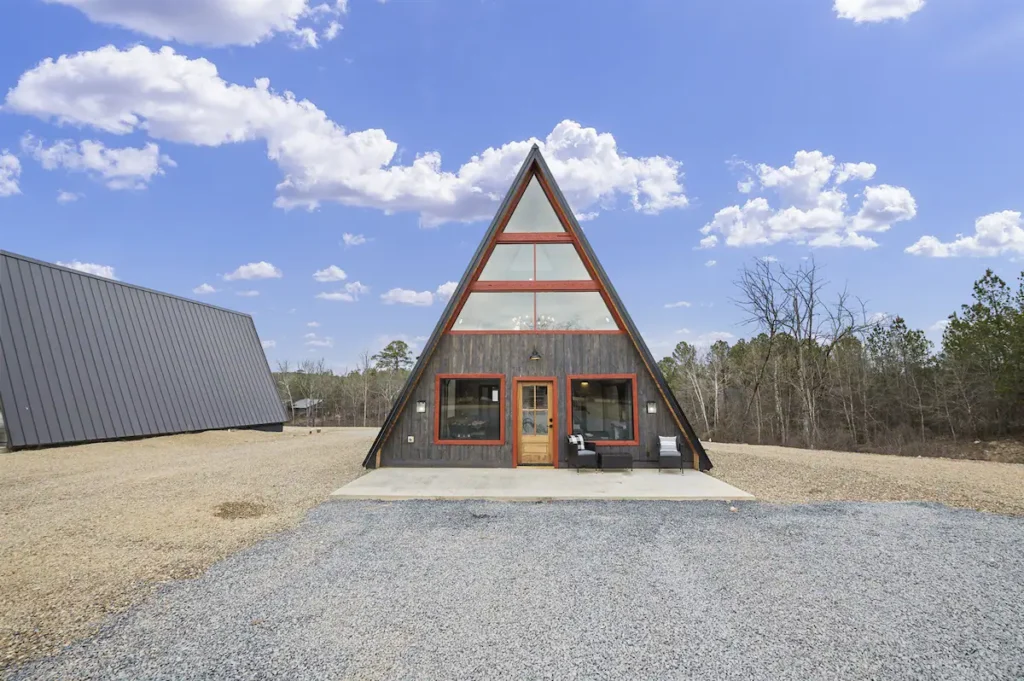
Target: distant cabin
{"points": [[534, 345]]}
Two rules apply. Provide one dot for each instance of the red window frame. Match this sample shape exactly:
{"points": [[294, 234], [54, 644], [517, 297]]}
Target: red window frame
{"points": [[598, 377], [502, 401]]}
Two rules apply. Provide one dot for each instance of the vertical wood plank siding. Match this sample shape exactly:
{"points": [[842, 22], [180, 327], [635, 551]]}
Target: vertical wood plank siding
{"points": [[84, 358], [561, 355]]}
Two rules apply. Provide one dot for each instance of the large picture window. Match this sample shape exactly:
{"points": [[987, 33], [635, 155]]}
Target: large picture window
{"points": [[604, 408], [470, 409]]}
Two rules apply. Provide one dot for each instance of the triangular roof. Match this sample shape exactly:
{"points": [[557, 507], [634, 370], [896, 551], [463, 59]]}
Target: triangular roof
{"points": [[535, 166]]}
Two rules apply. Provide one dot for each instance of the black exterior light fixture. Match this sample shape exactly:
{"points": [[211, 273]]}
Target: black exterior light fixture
{"points": [[535, 356], [652, 407]]}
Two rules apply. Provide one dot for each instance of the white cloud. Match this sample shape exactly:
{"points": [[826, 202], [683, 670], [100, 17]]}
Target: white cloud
{"points": [[314, 341], [171, 97], [118, 168], [247, 293], [332, 31], [768, 258], [67, 197], [10, 170], [313, 324], [407, 297], [681, 303], [204, 289], [745, 186], [349, 294], [882, 206], [939, 326], [711, 337], [447, 290], [855, 171], [267, 344], [353, 239], [105, 271], [994, 234], [254, 270], [710, 263], [876, 10], [215, 22], [683, 332], [814, 210], [330, 273]]}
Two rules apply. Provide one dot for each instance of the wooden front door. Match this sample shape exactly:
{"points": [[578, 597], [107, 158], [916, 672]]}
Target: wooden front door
{"points": [[535, 418]]}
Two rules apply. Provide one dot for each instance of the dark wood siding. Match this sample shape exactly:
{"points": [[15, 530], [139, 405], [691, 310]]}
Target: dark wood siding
{"points": [[562, 355]]}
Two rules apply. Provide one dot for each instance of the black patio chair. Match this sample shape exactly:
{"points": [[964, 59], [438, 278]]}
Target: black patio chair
{"points": [[669, 453], [581, 454]]}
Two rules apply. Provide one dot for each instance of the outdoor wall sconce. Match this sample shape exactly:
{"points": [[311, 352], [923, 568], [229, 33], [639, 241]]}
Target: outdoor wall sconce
{"points": [[652, 407], [535, 356], [421, 407]]}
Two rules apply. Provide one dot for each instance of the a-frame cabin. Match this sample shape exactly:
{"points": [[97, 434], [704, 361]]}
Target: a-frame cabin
{"points": [[534, 345]]}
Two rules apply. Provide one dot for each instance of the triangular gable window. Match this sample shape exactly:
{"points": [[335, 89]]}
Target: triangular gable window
{"points": [[534, 213], [534, 277]]}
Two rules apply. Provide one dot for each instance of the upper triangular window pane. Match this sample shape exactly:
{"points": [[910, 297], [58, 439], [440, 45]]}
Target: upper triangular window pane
{"points": [[534, 212]]}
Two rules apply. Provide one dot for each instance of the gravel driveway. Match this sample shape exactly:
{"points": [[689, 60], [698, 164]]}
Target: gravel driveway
{"points": [[589, 590]]}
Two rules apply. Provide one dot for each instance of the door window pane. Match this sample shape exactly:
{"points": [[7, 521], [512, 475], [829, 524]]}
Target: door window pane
{"points": [[575, 311], [534, 213], [560, 262], [486, 311], [509, 262], [602, 409], [467, 410]]}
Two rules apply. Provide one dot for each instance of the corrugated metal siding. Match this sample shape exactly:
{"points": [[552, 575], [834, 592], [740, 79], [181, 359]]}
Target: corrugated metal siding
{"points": [[84, 358]]}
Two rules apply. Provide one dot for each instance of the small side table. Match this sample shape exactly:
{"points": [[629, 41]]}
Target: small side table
{"points": [[616, 460]]}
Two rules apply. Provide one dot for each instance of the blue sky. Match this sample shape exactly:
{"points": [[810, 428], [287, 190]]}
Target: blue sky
{"points": [[160, 141]]}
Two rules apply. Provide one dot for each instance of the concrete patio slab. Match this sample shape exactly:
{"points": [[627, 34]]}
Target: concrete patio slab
{"points": [[525, 484]]}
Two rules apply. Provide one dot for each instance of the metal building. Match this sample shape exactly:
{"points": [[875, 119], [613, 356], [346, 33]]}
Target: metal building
{"points": [[83, 358]]}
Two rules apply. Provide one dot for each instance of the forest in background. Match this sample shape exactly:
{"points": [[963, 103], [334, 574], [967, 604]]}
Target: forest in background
{"points": [[819, 373]]}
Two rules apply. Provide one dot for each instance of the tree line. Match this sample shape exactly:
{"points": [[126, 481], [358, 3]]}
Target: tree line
{"points": [[820, 373], [360, 397]]}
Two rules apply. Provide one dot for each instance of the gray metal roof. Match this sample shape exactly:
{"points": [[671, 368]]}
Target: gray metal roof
{"points": [[305, 403], [83, 358]]}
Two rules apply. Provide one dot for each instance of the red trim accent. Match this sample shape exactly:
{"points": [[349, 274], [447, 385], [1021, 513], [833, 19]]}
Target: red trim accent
{"points": [[552, 400], [534, 237], [437, 410], [538, 331], [544, 286], [597, 377]]}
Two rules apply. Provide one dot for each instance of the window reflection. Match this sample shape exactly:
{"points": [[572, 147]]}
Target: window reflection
{"points": [[534, 212], [560, 262], [509, 262], [573, 311], [486, 311]]}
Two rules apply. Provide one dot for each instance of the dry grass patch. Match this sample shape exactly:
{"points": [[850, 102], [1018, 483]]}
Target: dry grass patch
{"points": [[785, 474], [89, 530]]}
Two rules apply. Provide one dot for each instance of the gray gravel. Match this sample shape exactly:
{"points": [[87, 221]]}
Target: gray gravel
{"points": [[446, 590]]}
